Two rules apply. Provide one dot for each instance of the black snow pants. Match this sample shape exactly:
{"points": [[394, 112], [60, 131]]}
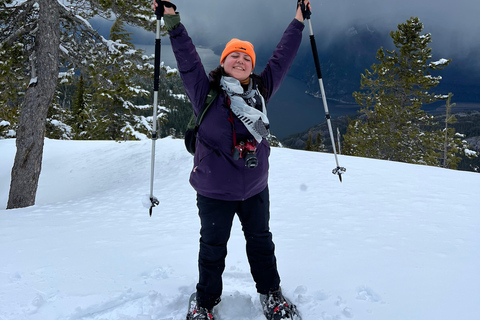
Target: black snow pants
{"points": [[216, 217]]}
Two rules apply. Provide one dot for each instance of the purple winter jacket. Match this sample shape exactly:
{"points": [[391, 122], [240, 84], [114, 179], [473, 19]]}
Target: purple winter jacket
{"points": [[215, 173]]}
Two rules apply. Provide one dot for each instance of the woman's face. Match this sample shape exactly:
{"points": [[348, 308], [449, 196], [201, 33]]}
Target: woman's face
{"points": [[238, 65]]}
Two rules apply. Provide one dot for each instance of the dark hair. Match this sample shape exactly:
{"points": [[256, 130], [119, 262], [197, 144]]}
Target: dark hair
{"points": [[217, 73]]}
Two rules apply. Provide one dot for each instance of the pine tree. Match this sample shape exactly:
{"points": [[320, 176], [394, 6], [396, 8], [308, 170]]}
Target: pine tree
{"points": [[273, 141], [454, 144], [79, 103], [82, 118], [173, 100], [319, 145], [113, 75], [12, 77], [450, 160], [59, 113], [309, 142], [392, 125], [48, 30]]}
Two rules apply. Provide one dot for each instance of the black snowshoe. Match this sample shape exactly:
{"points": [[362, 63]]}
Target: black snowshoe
{"points": [[276, 306], [198, 313]]}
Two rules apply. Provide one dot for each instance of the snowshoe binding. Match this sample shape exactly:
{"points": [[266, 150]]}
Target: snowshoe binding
{"points": [[196, 312], [276, 306]]}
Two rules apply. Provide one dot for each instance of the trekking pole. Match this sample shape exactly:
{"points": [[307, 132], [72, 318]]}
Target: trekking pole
{"points": [[306, 16], [156, 82]]}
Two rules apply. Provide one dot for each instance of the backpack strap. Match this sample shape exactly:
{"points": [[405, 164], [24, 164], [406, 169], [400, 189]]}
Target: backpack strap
{"points": [[194, 123], [212, 94]]}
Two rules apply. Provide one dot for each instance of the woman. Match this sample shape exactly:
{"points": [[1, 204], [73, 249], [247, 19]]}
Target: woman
{"points": [[230, 172]]}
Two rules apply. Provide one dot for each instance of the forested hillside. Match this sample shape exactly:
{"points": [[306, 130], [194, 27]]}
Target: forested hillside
{"points": [[468, 124]]}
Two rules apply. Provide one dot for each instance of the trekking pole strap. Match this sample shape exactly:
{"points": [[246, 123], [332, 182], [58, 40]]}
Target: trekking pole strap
{"points": [[305, 11], [160, 8]]}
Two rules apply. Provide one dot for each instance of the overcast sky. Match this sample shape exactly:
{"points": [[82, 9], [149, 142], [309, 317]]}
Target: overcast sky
{"points": [[455, 25]]}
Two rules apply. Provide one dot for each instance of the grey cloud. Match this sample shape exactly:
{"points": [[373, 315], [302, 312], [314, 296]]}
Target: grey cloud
{"points": [[455, 26]]}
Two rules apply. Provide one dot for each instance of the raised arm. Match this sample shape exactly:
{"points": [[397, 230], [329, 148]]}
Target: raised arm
{"points": [[284, 54], [189, 64]]}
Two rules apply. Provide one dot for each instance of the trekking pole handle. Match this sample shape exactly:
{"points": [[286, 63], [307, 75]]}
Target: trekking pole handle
{"points": [[161, 7], [305, 10]]}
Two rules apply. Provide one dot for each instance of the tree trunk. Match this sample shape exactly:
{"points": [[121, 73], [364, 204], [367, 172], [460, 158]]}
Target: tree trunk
{"points": [[39, 95]]}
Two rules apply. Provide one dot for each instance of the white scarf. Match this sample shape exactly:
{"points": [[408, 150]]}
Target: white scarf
{"points": [[243, 106]]}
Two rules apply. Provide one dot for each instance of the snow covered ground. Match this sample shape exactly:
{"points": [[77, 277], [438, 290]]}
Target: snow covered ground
{"points": [[392, 242]]}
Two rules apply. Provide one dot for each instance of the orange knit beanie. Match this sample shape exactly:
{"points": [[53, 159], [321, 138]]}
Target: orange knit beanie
{"points": [[238, 45]]}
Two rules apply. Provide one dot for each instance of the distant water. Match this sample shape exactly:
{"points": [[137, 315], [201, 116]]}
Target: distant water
{"points": [[292, 110]]}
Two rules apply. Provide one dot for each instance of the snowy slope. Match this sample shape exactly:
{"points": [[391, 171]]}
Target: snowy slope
{"points": [[393, 241]]}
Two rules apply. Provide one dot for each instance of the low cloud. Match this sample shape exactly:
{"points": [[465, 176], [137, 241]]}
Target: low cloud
{"points": [[454, 26]]}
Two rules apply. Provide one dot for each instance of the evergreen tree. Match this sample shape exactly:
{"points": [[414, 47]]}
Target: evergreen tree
{"points": [[113, 75], [79, 104], [454, 144], [13, 64], [319, 145], [48, 30], [392, 125], [173, 100], [179, 111], [450, 159], [82, 118], [309, 142], [273, 141], [59, 113]]}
